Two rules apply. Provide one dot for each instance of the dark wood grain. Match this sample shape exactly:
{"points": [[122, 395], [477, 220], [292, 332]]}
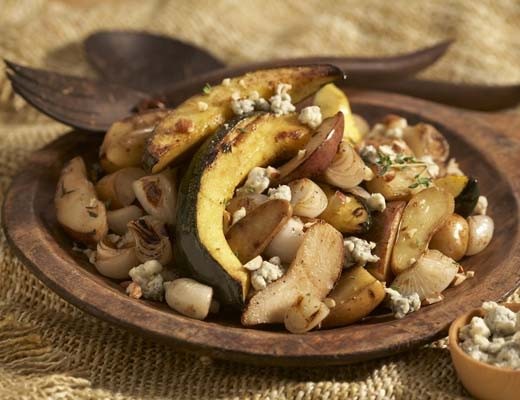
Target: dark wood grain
{"points": [[478, 141]]}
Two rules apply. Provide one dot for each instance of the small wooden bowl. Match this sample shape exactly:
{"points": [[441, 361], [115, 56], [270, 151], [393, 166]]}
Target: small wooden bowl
{"points": [[484, 381]]}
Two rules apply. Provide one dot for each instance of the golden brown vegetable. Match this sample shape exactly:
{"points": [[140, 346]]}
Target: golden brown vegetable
{"points": [[452, 238], [345, 212], [251, 235], [314, 271], [424, 214], [116, 188], [399, 184], [385, 226], [78, 210], [304, 315], [356, 295], [125, 141], [425, 140], [187, 125]]}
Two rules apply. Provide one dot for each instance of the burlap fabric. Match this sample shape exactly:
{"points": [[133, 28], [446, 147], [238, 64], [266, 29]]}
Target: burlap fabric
{"points": [[49, 349]]}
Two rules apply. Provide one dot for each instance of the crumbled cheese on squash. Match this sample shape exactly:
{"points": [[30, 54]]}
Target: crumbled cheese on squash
{"points": [[281, 102], [268, 272], [310, 116]]}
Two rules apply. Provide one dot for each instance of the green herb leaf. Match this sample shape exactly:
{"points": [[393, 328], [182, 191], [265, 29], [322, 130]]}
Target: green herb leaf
{"points": [[421, 181], [207, 88]]}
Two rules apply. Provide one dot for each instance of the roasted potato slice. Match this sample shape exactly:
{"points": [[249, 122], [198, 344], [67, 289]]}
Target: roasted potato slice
{"points": [[383, 232], [189, 124], [345, 212], [452, 238], [424, 214], [314, 271], [398, 184], [356, 295], [124, 143], [425, 140], [78, 210], [251, 235]]}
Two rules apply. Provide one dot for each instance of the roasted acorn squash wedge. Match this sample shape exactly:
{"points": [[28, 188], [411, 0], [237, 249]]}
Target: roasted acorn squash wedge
{"points": [[219, 166], [199, 116]]}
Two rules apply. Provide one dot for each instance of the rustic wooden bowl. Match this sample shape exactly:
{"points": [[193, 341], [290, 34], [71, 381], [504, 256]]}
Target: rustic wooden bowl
{"points": [[486, 147], [484, 381]]}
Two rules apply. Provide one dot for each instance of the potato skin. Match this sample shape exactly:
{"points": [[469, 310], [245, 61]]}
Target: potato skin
{"points": [[452, 238], [356, 294]]}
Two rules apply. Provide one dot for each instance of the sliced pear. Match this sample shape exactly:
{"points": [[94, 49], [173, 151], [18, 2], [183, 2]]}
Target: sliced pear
{"points": [[424, 214], [78, 210], [314, 271]]}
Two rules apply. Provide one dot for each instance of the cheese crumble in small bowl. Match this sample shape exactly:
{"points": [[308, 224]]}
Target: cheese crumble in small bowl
{"points": [[474, 339]]}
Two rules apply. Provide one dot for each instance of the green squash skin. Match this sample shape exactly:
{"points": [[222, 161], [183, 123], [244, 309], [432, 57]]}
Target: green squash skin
{"points": [[190, 254], [466, 201]]}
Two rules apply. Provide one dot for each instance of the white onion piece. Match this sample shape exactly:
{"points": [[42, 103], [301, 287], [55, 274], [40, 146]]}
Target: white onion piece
{"points": [[481, 229], [347, 168], [113, 262], [428, 277], [307, 313], [157, 194], [308, 199], [287, 241], [189, 297], [119, 219], [359, 191]]}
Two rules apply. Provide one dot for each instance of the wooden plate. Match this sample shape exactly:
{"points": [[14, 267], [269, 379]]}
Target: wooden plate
{"points": [[488, 153]]}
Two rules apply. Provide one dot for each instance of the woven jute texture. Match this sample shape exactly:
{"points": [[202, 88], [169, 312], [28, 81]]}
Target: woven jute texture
{"points": [[51, 350]]}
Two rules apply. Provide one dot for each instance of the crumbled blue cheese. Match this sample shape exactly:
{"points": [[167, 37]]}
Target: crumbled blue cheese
{"points": [[401, 305], [238, 215], [282, 192], [452, 168], [149, 279], [281, 102], [376, 202], [482, 205], [202, 105], [358, 252], [261, 104], [257, 181], [431, 166], [226, 81], [242, 106], [269, 271], [494, 339], [310, 116]]}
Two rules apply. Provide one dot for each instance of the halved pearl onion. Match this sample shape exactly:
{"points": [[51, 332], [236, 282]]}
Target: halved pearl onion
{"points": [[481, 229], [114, 262], [308, 199], [119, 219], [189, 297], [286, 242]]}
